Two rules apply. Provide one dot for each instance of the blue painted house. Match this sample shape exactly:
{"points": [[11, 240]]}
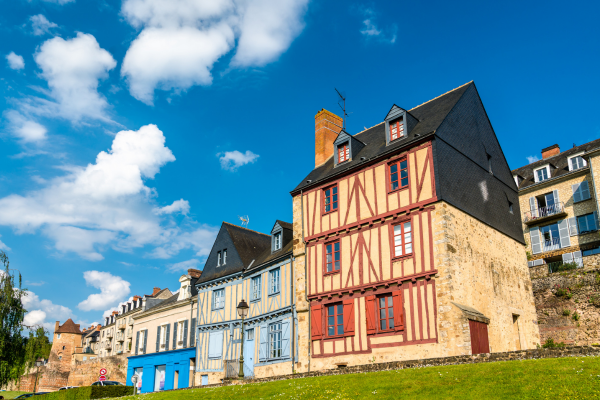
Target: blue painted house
{"points": [[164, 352], [256, 267]]}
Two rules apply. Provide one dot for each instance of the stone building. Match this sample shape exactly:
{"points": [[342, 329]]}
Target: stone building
{"points": [[408, 241], [559, 201], [66, 340], [163, 351]]}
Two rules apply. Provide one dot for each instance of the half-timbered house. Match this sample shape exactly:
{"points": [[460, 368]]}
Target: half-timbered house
{"points": [[255, 267], [408, 240]]}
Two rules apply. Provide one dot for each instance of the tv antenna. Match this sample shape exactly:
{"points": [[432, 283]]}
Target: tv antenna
{"points": [[245, 220], [343, 107]]}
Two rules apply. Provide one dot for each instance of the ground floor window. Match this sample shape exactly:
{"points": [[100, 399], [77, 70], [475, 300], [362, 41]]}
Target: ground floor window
{"points": [[159, 378], [275, 340], [139, 372]]}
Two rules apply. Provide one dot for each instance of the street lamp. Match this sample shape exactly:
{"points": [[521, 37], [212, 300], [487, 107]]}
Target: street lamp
{"points": [[242, 310], [38, 364]]}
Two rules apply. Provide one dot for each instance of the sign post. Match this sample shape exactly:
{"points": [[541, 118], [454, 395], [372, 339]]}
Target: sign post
{"points": [[134, 380], [102, 378]]}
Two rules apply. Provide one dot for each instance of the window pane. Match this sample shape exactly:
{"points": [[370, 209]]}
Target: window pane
{"points": [[335, 198], [327, 193], [382, 313], [404, 181], [383, 325], [340, 319], [330, 310], [381, 302], [390, 301], [397, 230], [330, 320], [337, 246], [328, 258], [331, 330], [407, 227], [337, 265], [408, 248], [340, 309], [391, 321], [328, 247], [337, 256], [340, 330], [398, 250], [403, 173], [394, 169], [335, 190]]}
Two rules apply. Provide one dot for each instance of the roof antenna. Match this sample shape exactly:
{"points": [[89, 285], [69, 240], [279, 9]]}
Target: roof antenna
{"points": [[245, 220], [342, 107]]}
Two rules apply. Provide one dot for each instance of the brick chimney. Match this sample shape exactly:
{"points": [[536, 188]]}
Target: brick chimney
{"points": [[115, 313], [194, 273], [550, 151], [156, 290], [327, 127], [136, 298], [56, 326]]}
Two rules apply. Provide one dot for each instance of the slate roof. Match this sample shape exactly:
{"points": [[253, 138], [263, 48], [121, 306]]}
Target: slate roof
{"points": [[284, 225], [248, 243], [559, 163], [68, 327], [430, 115], [267, 256], [165, 303]]}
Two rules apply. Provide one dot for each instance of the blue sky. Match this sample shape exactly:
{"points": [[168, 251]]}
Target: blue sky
{"points": [[131, 129]]}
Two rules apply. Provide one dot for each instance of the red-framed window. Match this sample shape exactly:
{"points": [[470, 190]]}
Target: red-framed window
{"points": [[335, 319], [403, 239], [398, 174], [332, 257], [343, 152], [385, 308], [396, 129], [330, 199]]}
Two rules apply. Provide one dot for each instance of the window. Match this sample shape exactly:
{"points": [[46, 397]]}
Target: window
{"points": [[489, 158], [330, 199], [396, 129], [343, 152], [215, 344], [218, 299], [385, 308], [591, 252], [581, 191], [58, 336], [255, 287], [510, 207], [224, 256], [250, 334], [332, 257], [335, 320], [576, 162], [399, 175], [274, 281], [402, 239], [277, 241], [550, 237], [586, 223], [541, 174], [180, 331], [218, 259], [275, 340]]}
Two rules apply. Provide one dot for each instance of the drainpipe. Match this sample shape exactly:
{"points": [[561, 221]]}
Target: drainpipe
{"points": [[193, 327], [594, 186], [293, 312], [305, 275]]}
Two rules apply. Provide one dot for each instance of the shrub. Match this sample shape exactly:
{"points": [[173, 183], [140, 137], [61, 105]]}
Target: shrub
{"points": [[566, 312], [551, 344], [576, 316], [566, 267], [88, 393], [563, 291]]}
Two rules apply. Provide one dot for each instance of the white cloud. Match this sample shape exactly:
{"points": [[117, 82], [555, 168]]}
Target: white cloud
{"points": [[183, 265], [3, 246], [40, 283], [61, 2], [112, 290], [182, 206], [200, 240], [24, 129], [371, 29], [532, 159], [181, 40], [44, 312], [73, 69], [232, 160], [15, 61], [40, 24]]}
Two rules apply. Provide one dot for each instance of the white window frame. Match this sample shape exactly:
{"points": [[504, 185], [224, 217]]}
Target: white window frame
{"points": [[275, 340], [535, 176], [163, 335], [218, 258], [274, 281], [277, 240], [256, 289], [221, 304], [575, 156], [224, 256]]}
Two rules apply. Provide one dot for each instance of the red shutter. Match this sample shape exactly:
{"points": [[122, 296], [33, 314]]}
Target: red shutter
{"points": [[349, 317], [371, 316], [398, 311], [316, 322]]}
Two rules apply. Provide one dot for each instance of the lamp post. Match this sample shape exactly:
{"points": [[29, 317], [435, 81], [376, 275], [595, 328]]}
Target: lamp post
{"points": [[38, 364], [242, 310]]}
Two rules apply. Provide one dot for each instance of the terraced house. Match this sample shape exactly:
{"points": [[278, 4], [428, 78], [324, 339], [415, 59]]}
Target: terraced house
{"points": [[408, 241], [115, 337], [559, 201], [255, 267]]}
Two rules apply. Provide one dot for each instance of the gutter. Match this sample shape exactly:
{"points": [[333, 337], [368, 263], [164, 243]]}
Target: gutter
{"points": [[538, 185], [305, 275], [593, 179]]}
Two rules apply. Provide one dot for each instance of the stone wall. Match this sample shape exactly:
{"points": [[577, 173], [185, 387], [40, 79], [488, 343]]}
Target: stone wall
{"points": [[84, 373], [568, 304]]}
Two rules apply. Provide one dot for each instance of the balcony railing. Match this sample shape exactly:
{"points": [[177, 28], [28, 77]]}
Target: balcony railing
{"points": [[109, 333], [232, 370], [120, 336], [122, 324], [88, 350], [130, 321], [533, 216], [551, 245], [108, 345], [129, 333]]}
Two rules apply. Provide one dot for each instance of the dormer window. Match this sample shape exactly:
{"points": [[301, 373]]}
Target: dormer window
{"points": [[218, 259], [343, 152], [224, 256], [576, 162], [542, 174], [277, 241], [396, 129]]}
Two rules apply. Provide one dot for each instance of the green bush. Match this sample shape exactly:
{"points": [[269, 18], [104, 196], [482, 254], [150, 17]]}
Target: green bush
{"points": [[88, 393], [551, 344], [575, 316], [566, 312], [566, 267]]}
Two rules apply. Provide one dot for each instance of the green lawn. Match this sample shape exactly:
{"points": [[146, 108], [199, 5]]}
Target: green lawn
{"points": [[11, 395], [557, 378]]}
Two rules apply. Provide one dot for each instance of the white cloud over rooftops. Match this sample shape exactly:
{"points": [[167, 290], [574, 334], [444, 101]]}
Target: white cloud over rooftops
{"points": [[113, 289], [42, 312]]}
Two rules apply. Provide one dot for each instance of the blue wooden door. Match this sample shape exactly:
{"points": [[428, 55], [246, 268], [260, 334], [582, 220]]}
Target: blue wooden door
{"points": [[249, 351]]}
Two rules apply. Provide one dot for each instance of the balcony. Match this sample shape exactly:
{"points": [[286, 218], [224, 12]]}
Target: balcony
{"points": [[120, 336], [122, 324], [130, 321], [544, 213], [88, 350], [551, 245], [109, 333], [129, 333], [108, 345]]}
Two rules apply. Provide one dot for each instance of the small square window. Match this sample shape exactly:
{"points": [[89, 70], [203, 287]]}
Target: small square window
{"points": [[343, 152], [402, 239], [330, 199], [576, 162], [332, 256], [541, 174], [218, 299], [398, 175], [396, 129], [250, 334], [335, 320]]}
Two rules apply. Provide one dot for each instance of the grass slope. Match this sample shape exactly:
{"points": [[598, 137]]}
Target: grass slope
{"points": [[11, 395], [556, 378]]}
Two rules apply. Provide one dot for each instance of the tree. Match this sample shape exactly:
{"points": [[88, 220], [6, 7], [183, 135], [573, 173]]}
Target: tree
{"points": [[12, 313]]}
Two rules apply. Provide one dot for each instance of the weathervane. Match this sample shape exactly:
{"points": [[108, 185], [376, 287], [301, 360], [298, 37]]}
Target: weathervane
{"points": [[342, 107], [245, 220]]}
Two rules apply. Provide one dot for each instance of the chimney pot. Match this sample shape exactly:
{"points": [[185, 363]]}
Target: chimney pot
{"points": [[550, 151], [327, 127], [156, 290]]}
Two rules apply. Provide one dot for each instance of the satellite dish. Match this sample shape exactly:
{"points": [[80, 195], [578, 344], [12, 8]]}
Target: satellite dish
{"points": [[245, 220]]}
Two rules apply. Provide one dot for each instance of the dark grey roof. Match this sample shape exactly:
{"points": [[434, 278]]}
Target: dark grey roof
{"points": [[285, 225], [559, 162], [269, 255], [164, 303], [430, 115]]}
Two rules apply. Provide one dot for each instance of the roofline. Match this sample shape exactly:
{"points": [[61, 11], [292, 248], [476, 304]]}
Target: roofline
{"points": [[443, 94], [158, 308], [592, 151], [241, 227], [280, 257], [365, 163], [538, 185]]}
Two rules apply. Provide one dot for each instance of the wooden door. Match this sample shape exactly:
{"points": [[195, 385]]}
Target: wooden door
{"points": [[479, 337]]}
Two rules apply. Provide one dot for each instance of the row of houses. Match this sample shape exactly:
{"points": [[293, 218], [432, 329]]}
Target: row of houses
{"points": [[411, 239]]}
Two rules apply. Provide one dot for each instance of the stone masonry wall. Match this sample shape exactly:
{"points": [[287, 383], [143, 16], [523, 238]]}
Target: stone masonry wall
{"points": [[84, 373]]}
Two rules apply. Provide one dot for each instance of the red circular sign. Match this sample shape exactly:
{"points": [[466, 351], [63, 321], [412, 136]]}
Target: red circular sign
{"points": [[103, 371], [102, 378]]}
